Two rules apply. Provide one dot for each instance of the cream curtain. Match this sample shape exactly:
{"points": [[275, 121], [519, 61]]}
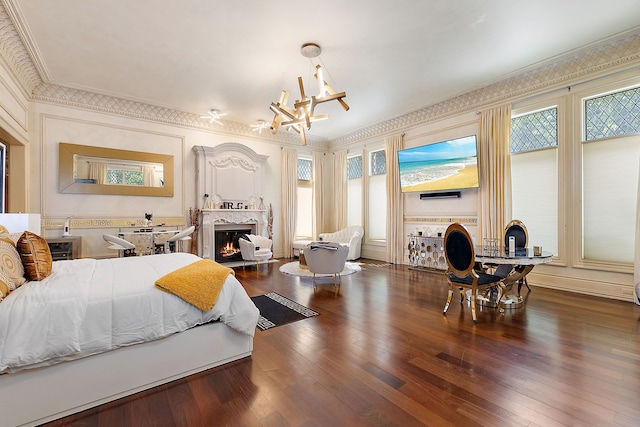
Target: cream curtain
{"points": [[318, 177], [395, 206], [98, 172], [340, 188], [148, 176], [289, 195], [636, 264], [494, 194]]}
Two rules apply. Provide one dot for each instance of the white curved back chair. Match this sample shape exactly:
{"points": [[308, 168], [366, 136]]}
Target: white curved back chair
{"points": [[326, 258], [124, 247], [257, 248], [177, 240]]}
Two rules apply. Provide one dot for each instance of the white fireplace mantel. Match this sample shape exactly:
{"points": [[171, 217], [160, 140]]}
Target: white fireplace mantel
{"points": [[212, 218], [228, 172]]}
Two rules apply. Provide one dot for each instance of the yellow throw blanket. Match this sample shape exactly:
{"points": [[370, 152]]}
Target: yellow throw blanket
{"points": [[198, 283]]}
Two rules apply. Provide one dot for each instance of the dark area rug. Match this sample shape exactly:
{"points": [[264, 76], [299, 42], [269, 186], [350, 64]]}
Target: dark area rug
{"points": [[276, 310]]}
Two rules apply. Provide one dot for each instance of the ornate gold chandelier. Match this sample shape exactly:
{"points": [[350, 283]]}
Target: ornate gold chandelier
{"points": [[303, 112]]}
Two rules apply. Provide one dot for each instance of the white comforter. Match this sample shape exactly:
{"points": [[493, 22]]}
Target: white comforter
{"points": [[89, 306]]}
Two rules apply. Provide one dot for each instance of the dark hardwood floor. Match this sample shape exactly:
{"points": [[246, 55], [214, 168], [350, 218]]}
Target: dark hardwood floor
{"points": [[381, 353]]}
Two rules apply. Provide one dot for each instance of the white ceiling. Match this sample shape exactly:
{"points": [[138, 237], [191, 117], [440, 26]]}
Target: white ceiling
{"points": [[391, 57]]}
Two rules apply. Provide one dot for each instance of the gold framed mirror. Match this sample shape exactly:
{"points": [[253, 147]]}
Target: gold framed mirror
{"points": [[86, 169]]}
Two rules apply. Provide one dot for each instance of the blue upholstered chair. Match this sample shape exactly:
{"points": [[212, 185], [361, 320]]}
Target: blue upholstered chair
{"points": [[461, 273], [516, 229]]}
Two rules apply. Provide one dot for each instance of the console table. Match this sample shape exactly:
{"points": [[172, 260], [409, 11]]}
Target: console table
{"points": [[148, 241], [426, 253]]}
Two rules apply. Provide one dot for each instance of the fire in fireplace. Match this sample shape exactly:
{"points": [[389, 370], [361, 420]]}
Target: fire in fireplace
{"points": [[227, 247]]}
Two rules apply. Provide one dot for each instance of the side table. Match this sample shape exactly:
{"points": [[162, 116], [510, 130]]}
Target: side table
{"points": [[65, 247]]}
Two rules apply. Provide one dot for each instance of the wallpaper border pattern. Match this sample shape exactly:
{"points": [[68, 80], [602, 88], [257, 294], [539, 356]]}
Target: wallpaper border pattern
{"points": [[76, 223]]}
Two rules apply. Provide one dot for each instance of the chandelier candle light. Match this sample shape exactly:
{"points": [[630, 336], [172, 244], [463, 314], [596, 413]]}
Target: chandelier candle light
{"points": [[303, 112]]}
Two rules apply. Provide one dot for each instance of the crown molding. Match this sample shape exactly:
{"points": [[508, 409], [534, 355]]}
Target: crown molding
{"points": [[78, 98], [607, 56], [15, 56]]}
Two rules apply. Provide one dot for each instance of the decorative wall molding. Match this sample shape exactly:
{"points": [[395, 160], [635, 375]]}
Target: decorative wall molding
{"points": [[53, 223], [444, 220], [18, 60], [77, 98], [616, 53], [575, 67], [15, 56], [230, 172]]}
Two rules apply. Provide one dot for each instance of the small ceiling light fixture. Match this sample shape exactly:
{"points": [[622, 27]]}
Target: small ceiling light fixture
{"points": [[303, 112], [214, 116], [262, 124]]}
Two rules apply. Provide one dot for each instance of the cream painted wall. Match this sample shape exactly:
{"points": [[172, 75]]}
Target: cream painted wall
{"points": [[14, 114], [56, 129], [54, 123], [33, 187]]}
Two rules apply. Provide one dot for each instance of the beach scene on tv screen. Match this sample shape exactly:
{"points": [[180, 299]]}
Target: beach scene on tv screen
{"points": [[446, 165]]}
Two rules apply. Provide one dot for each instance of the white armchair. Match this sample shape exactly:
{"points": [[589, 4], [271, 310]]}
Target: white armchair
{"points": [[257, 248], [350, 237], [326, 258]]}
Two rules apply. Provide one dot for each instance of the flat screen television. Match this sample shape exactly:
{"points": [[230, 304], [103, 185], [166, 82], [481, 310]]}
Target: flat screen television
{"points": [[441, 166]]}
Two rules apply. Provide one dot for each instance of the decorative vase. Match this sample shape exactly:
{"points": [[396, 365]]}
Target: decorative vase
{"points": [[194, 242]]}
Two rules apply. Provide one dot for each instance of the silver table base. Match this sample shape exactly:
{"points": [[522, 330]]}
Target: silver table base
{"points": [[488, 299]]}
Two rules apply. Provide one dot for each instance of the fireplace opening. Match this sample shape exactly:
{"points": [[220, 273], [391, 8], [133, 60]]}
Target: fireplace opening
{"points": [[227, 247]]}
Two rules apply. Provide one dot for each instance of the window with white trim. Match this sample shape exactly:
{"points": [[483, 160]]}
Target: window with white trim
{"points": [[377, 196], [610, 156], [304, 214], [534, 175], [354, 190]]}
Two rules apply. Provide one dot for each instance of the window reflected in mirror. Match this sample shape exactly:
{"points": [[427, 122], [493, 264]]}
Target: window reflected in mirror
{"points": [[95, 170]]}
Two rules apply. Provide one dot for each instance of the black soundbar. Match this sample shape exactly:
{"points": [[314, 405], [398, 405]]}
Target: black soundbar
{"points": [[440, 195]]}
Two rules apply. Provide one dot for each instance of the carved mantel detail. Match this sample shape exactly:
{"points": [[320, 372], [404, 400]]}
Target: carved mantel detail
{"points": [[228, 172]]}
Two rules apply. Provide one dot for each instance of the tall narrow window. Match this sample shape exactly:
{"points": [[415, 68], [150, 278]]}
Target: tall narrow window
{"points": [[610, 154], [304, 218], [534, 175], [354, 190], [377, 209]]}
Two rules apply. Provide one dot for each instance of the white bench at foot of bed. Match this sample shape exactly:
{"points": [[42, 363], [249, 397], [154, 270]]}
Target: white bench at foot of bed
{"points": [[39, 395]]}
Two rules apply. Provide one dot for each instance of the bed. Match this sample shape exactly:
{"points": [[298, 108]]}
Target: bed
{"points": [[97, 330]]}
